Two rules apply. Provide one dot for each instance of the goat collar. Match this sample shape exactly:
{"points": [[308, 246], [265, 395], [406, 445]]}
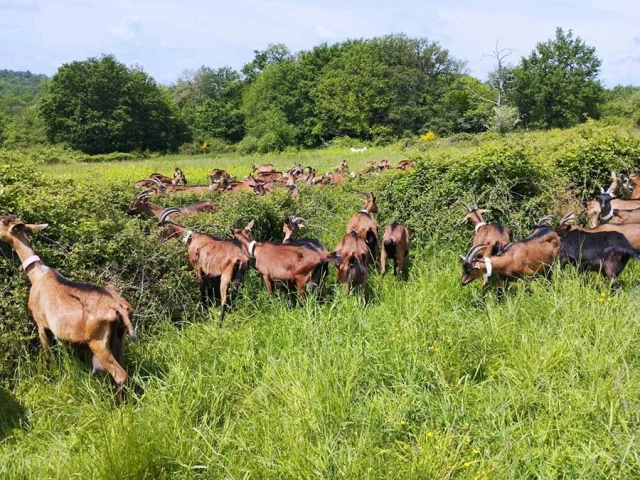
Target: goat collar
{"points": [[30, 261], [363, 211], [480, 225], [487, 262], [608, 215], [252, 248], [187, 236]]}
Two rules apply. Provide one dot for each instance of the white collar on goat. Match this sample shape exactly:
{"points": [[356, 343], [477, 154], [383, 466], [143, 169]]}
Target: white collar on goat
{"points": [[608, 215], [30, 261], [487, 262], [252, 248], [187, 236], [480, 225], [363, 211]]}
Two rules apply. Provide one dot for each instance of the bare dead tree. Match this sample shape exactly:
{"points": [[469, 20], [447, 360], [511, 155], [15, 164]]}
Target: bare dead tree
{"points": [[499, 80]]}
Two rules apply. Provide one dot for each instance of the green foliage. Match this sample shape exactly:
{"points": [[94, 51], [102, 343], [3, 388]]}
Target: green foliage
{"points": [[102, 106], [623, 104], [557, 85], [504, 119]]}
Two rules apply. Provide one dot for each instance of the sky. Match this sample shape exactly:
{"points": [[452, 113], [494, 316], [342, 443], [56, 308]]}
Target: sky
{"points": [[167, 37]]}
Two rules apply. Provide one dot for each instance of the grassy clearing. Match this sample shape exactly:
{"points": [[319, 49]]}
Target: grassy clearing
{"points": [[427, 379]]}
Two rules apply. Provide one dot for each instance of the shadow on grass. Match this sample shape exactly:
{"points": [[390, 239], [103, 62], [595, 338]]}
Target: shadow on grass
{"points": [[12, 414]]}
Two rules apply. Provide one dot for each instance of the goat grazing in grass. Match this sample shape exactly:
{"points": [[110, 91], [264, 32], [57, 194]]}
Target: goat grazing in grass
{"points": [[364, 224], [395, 245], [523, 258], [493, 235], [79, 313], [634, 186], [352, 271], [141, 204], [218, 264], [292, 264], [248, 184], [606, 252], [218, 174], [342, 168], [178, 177]]}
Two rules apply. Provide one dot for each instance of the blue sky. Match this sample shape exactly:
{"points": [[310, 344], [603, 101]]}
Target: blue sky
{"points": [[167, 37]]}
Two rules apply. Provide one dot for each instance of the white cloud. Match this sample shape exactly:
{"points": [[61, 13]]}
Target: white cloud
{"points": [[127, 29]]}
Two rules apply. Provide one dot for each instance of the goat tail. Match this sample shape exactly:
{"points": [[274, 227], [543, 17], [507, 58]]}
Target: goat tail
{"points": [[125, 317]]}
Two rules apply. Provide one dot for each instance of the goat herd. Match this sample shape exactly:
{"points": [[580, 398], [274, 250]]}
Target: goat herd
{"points": [[81, 313], [98, 317]]}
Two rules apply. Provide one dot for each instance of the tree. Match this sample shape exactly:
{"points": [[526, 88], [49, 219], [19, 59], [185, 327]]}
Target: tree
{"points": [[101, 105], [274, 53], [557, 85]]}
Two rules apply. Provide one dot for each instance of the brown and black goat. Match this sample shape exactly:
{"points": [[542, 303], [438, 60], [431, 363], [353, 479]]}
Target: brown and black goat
{"points": [[248, 184], [342, 168], [219, 264], [293, 264], [178, 177], [218, 174], [365, 225], [141, 204], [352, 271], [630, 230], [523, 258], [395, 245], [609, 213], [74, 312]]}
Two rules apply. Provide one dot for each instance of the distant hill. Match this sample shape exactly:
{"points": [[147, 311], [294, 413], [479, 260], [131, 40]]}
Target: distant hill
{"points": [[20, 84]]}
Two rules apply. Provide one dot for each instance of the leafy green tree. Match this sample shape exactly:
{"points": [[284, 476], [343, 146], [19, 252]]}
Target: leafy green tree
{"points": [[101, 106], [273, 54], [557, 85]]}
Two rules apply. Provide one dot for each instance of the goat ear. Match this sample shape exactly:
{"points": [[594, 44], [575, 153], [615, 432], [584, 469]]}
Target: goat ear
{"points": [[249, 225], [36, 228]]}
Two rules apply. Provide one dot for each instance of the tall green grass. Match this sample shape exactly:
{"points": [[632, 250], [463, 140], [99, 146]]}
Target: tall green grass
{"points": [[426, 379]]}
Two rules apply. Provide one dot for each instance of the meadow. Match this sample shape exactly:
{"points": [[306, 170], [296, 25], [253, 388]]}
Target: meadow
{"points": [[421, 379]]}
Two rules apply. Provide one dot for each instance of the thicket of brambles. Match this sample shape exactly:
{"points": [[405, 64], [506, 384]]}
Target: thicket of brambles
{"points": [[374, 91]]}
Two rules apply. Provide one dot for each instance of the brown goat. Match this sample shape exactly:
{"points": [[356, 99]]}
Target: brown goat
{"points": [[266, 168], [269, 177], [352, 272], [248, 184], [524, 258], [334, 178], [634, 180], [218, 174], [395, 245], [494, 236], [364, 224], [630, 230], [405, 164], [219, 264], [141, 204], [178, 177], [291, 264], [384, 164], [610, 214], [79, 313], [342, 168]]}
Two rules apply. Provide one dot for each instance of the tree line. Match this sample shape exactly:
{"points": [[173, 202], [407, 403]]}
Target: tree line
{"points": [[375, 90]]}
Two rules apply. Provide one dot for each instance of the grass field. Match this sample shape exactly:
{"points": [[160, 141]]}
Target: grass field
{"points": [[426, 379]]}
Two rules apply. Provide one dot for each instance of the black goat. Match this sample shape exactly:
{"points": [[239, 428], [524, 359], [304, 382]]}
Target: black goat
{"points": [[604, 252]]}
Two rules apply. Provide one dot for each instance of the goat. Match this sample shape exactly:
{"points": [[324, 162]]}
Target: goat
{"points": [[266, 168], [292, 264], [290, 228], [384, 164], [79, 313], [342, 168], [141, 204], [162, 178], [358, 150], [493, 235], [405, 164], [364, 224], [609, 213], [248, 184], [218, 174], [523, 258], [634, 182], [352, 272], [178, 177], [269, 177], [630, 230], [334, 178], [395, 245], [294, 192], [604, 252], [219, 265]]}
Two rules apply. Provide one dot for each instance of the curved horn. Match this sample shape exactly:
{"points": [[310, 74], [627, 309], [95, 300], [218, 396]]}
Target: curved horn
{"points": [[567, 219], [602, 190], [297, 220], [473, 252], [466, 205], [144, 193], [545, 219], [166, 212]]}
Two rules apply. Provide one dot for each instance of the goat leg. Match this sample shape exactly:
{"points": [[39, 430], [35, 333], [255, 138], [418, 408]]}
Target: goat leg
{"points": [[108, 361], [46, 344]]}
